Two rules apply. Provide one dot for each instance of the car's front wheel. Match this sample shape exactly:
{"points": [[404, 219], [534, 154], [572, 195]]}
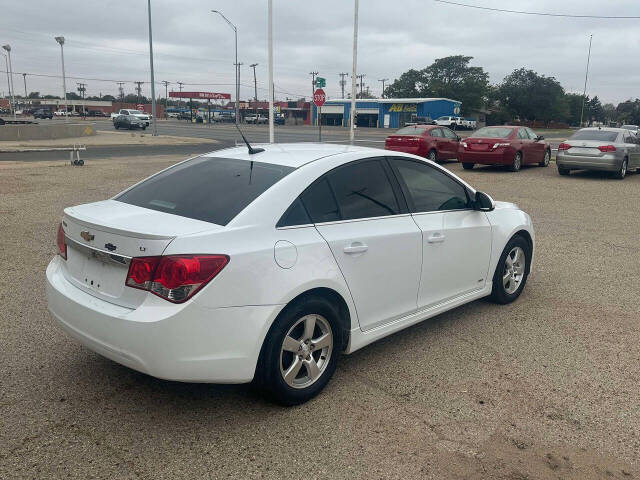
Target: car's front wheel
{"points": [[546, 159], [512, 271], [301, 351]]}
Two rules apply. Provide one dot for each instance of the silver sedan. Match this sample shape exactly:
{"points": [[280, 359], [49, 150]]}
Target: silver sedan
{"points": [[608, 149]]}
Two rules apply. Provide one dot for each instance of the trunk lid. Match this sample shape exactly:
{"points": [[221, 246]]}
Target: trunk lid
{"points": [[586, 148], [102, 237], [482, 144]]}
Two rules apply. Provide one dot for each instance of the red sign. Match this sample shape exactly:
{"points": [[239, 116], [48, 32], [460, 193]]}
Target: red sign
{"points": [[319, 97], [205, 95], [140, 107]]}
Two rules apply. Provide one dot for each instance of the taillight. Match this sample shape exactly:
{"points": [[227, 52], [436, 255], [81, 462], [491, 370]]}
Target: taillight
{"points": [[607, 148], [175, 278], [564, 146], [62, 242]]}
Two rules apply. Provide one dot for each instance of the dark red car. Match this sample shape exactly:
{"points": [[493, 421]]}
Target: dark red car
{"points": [[504, 145], [430, 141]]}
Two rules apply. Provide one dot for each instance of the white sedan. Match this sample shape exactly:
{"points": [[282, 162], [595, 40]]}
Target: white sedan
{"points": [[235, 266]]}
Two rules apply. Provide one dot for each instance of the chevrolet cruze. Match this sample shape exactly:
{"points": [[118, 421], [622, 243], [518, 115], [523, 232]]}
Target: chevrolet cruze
{"points": [[267, 264]]}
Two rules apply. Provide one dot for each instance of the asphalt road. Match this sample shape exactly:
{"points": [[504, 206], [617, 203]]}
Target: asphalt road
{"points": [[546, 387]]}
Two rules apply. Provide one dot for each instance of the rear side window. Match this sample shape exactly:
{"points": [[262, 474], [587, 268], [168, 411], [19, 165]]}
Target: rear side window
{"points": [[363, 190], [598, 135], [214, 190], [320, 203], [428, 189]]}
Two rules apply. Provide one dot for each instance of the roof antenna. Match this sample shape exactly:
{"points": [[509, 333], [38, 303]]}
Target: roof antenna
{"points": [[251, 149]]}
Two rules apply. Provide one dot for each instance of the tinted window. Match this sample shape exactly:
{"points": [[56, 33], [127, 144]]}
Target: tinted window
{"points": [[493, 132], [363, 190], [601, 135], [411, 131], [295, 215], [211, 189], [522, 134], [320, 202], [429, 189], [531, 133], [448, 133], [437, 132]]}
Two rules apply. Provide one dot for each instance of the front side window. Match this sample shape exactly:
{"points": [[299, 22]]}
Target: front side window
{"points": [[522, 134], [437, 132], [210, 189], [449, 134], [363, 190], [429, 189]]}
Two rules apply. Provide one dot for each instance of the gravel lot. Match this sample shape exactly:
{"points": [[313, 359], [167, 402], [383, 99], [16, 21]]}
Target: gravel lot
{"points": [[546, 387]]}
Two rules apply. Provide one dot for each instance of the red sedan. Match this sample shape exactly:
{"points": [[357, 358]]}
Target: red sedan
{"points": [[429, 141], [504, 145]]}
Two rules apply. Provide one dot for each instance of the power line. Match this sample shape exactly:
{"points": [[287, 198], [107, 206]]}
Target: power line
{"points": [[542, 14]]}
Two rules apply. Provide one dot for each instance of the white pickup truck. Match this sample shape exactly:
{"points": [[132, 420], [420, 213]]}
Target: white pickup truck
{"points": [[455, 123], [256, 119], [145, 117]]}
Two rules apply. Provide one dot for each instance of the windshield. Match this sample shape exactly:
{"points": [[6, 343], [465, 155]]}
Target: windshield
{"points": [[411, 130], [493, 132], [134, 112], [599, 135], [214, 190]]}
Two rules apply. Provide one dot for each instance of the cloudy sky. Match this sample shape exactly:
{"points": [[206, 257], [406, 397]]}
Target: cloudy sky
{"points": [[107, 42]]}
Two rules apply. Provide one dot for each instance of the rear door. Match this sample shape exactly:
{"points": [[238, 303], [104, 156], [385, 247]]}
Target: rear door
{"points": [[456, 239], [373, 238], [631, 144], [538, 147], [441, 142]]}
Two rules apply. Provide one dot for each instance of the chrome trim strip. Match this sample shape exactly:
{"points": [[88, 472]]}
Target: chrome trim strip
{"points": [[99, 254], [351, 220]]}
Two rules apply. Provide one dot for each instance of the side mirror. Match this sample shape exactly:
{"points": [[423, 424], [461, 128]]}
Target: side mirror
{"points": [[458, 138], [540, 137], [484, 202]]}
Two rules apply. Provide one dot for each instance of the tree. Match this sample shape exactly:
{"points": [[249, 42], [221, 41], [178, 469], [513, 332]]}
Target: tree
{"points": [[610, 113], [530, 96], [73, 96], [449, 77], [108, 98], [574, 107], [629, 112], [33, 95]]}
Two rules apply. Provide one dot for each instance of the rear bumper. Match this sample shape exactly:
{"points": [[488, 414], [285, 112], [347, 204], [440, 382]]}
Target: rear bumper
{"points": [[608, 163], [499, 157], [184, 342]]}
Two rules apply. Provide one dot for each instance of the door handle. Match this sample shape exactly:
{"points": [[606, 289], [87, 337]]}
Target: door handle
{"points": [[436, 238], [355, 247]]}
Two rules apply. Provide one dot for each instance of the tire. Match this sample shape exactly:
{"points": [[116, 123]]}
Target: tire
{"points": [[511, 276], [563, 171], [116, 126], [468, 166], [620, 174], [144, 127], [275, 361], [433, 155], [517, 162], [547, 158]]}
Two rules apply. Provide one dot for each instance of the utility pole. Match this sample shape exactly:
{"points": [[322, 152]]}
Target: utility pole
{"points": [[354, 69], [24, 77], [82, 87], [361, 77], [166, 97], [313, 83], [139, 89], [343, 82], [180, 98], [60, 40], [383, 80], [255, 81], [121, 90], [270, 61], [586, 75], [153, 81]]}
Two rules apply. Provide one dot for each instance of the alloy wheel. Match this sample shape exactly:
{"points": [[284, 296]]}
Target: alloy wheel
{"points": [[514, 267], [547, 157], [306, 351], [432, 156]]}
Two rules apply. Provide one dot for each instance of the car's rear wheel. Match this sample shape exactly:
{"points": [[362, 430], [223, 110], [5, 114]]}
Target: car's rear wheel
{"points": [[563, 171], [468, 166], [512, 271], [547, 158], [432, 155], [517, 162], [301, 351], [116, 126], [622, 172]]}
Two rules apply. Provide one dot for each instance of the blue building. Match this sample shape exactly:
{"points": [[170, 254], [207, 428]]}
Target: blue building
{"points": [[385, 112]]}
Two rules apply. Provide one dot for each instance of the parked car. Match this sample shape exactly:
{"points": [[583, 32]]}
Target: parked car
{"points": [[42, 113], [129, 121], [172, 114], [607, 149], [61, 113], [428, 141], [634, 128], [278, 119], [224, 117], [136, 113], [96, 113], [450, 121], [511, 146], [256, 119], [234, 266], [469, 123]]}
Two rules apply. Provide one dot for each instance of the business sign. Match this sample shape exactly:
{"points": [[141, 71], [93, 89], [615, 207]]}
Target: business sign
{"points": [[205, 95], [403, 107]]}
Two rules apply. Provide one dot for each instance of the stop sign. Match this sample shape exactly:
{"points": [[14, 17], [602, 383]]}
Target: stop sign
{"points": [[319, 97]]}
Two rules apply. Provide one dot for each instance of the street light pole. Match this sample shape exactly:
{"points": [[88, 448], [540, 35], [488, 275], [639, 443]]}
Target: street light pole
{"points": [[270, 48], [60, 40], [153, 83], [352, 113], [586, 75], [13, 92], [6, 62], [166, 97], [235, 31]]}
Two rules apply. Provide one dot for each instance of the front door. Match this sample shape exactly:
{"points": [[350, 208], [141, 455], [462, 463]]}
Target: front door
{"points": [[374, 240], [456, 240]]}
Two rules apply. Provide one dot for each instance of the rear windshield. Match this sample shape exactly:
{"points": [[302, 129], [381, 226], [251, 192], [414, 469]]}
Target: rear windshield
{"points": [[214, 190], [630, 127], [411, 131], [600, 135], [493, 132]]}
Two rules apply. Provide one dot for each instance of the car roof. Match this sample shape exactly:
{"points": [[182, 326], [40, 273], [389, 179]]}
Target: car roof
{"points": [[292, 154]]}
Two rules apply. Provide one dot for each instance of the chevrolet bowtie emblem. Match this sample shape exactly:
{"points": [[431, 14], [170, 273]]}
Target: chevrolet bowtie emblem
{"points": [[87, 236]]}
